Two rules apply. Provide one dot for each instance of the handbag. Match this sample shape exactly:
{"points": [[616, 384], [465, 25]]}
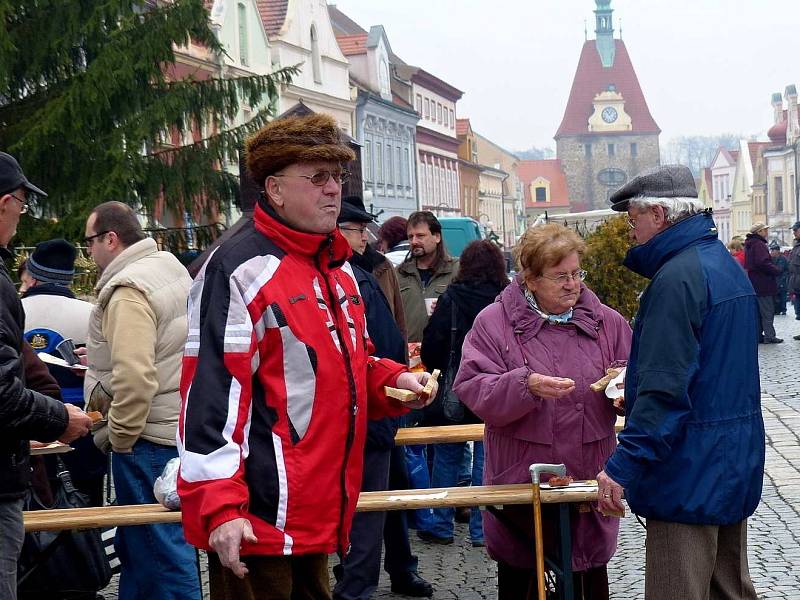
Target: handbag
{"points": [[452, 407], [61, 563]]}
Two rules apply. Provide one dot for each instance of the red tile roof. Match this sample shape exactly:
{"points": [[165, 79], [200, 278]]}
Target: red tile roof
{"points": [[341, 23], [529, 170], [591, 78], [273, 14], [352, 44], [462, 126], [755, 149], [734, 154]]}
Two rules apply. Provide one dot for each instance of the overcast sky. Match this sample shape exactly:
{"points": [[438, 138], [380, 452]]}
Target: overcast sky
{"points": [[705, 66]]}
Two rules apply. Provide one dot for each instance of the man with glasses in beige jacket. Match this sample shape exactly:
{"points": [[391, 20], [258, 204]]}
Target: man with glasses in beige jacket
{"points": [[134, 348]]}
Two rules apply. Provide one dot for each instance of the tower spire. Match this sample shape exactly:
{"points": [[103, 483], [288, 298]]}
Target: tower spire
{"points": [[604, 32]]}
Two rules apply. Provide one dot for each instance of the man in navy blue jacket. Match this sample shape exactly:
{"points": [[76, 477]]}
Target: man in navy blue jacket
{"points": [[691, 456], [359, 573]]}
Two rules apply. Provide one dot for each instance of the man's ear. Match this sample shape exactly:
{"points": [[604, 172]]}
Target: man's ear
{"points": [[272, 190], [4, 200]]}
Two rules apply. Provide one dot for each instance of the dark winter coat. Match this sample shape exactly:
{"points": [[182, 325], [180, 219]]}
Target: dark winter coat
{"points": [[692, 450], [388, 342], [783, 266], [382, 269], [24, 414], [758, 264], [794, 267], [469, 299]]}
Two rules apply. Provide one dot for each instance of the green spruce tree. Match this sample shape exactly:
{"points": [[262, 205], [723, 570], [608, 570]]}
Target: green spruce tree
{"points": [[614, 284], [87, 98]]}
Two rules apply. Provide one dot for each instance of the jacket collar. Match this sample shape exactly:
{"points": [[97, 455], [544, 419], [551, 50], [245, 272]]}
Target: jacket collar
{"points": [[6, 253], [586, 314], [48, 289], [409, 267], [130, 255], [331, 249], [646, 259]]}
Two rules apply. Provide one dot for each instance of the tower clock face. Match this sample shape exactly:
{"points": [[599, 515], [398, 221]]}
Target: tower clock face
{"points": [[609, 114]]}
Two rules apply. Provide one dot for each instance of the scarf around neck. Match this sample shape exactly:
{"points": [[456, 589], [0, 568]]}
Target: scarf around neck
{"points": [[563, 318]]}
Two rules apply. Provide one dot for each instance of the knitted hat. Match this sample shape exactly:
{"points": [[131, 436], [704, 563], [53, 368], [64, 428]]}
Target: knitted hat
{"points": [[774, 245], [52, 261], [301, 139]]}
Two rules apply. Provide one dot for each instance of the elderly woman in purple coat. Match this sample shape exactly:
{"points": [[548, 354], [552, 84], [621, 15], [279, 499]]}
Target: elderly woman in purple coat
{"points": [[526, 368]]}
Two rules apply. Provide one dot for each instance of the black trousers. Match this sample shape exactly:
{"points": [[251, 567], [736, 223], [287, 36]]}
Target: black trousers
{"points": [[358, 574]]}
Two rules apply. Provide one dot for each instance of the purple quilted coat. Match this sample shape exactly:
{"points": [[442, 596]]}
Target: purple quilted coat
{"points": [[507, 342]]}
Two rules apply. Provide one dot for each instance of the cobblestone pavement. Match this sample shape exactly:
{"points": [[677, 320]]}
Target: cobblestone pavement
{"points": [[465, 573]]}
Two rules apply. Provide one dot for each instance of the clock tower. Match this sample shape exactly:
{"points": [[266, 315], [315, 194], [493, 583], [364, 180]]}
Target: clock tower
{"points": [[607, 134]]}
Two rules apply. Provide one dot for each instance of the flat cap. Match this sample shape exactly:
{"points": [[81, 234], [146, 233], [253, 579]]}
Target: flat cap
{"points": [[667, 181]]}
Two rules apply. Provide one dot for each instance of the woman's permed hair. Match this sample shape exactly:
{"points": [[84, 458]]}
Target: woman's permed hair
{"points": [[544, 246]]}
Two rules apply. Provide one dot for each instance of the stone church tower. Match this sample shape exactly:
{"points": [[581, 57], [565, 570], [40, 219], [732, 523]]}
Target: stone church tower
{"points": [[607, 134]]}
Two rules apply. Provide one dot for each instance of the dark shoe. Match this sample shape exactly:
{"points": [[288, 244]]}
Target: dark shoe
{"points": [[774, 341], [796, 337], [478, 544], [462, 514], [427, 536], [411, 584]]}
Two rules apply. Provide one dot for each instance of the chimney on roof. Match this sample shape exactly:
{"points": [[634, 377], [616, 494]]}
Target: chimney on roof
{"points": [[792, 127], [777, 107]]}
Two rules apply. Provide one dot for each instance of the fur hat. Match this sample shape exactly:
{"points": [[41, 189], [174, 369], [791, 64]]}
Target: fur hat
{"points": [[301, 139], [52, 261]]}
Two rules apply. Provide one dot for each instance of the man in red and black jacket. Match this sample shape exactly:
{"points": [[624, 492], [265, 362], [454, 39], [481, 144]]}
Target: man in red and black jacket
{"points": [[278, 378]]}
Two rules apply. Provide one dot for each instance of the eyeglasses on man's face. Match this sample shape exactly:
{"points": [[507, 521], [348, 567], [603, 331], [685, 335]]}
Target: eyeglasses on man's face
{"points": [[320, 178], [89, 239], [358, 230], [24, 204], [563, 278]]}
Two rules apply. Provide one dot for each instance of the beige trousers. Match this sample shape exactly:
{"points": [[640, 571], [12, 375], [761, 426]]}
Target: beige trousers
{"points": [[697, 562]]}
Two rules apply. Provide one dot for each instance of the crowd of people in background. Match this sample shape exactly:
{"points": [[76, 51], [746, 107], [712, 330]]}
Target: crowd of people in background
{"points": [[266, 376]]}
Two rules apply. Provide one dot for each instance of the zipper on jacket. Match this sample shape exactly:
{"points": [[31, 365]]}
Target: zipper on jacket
{"points": [[351, 384]]}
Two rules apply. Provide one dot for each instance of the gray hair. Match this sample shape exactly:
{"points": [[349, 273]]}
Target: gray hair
{"points": [[675, 209]]}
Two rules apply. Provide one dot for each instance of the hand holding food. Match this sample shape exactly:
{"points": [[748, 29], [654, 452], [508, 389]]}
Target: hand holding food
{"points": [[415, 390], [549, 387]]}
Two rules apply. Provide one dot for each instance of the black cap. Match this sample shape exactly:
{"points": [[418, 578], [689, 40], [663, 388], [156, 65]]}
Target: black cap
{"points": [[353, 211], [668, 181], [12, 177], [796, 225]]}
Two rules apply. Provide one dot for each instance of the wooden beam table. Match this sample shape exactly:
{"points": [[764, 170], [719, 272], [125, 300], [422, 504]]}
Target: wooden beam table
{"points": [[489, 495]]}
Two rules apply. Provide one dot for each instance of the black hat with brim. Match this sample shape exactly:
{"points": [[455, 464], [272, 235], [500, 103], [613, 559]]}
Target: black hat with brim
{"points": [[668, 181], [353, 211], [12, 177]]}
